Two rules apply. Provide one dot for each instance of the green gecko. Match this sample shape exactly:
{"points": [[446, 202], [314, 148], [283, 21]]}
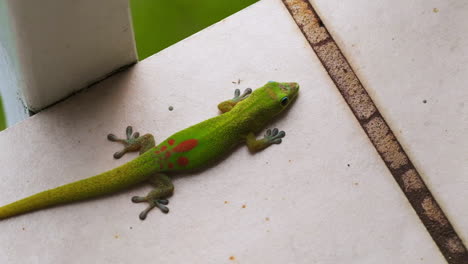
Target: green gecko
{"points": [[190, 149]]}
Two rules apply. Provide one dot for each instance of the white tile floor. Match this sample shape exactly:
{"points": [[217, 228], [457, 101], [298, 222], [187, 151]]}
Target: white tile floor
{"points": [[412, 57], [322, 196]]}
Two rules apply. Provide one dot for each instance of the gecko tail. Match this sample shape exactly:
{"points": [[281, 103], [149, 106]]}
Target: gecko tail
{"points": [[105, 183]]}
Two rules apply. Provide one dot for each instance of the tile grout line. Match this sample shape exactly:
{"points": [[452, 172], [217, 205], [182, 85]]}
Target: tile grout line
{"points": [[378, 131]]}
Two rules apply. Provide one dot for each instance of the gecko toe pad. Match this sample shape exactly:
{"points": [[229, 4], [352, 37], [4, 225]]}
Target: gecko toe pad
{"points": [[239, 97], [274, 136], [152, 203]]}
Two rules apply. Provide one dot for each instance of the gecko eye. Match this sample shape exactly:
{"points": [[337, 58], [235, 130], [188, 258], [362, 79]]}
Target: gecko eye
{"points": [[284, 101]]}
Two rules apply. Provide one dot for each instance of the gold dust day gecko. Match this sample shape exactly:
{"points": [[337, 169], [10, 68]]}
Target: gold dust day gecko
{"points": [[190, 149]]}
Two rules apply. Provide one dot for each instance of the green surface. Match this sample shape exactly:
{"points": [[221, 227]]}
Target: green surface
{"points": [[161, 23], [2, 116]]}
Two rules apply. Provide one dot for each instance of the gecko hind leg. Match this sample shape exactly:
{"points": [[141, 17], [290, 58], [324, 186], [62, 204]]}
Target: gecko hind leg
{"points": [[133, 142], [163, 188]]}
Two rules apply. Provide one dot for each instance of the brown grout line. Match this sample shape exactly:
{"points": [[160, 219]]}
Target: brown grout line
{"points": [[378, 131]]}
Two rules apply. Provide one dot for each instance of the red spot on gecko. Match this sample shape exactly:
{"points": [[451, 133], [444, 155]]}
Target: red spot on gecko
{"points": [[163, 148], [167, 154], [157, 151], [161, 166], [186, 145], [183, 161], [171, 141], [171, 165]]}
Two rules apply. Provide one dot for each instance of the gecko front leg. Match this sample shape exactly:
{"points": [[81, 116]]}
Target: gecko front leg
{"points": [[271, 137], [226, 106], [133, 142]]}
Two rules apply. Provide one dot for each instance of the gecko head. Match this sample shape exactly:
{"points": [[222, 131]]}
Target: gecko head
{"points": [[280, 95]]}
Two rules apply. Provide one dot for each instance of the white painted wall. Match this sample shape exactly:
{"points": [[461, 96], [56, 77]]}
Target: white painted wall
{"points": [[9, 72], [52, 48]]}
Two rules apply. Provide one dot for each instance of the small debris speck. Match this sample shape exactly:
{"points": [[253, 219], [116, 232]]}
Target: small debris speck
{"points": [[23, 229], [424, 101], [356, 183], [171, 108], [435, 10], [244, 206], [131, 227], [267, 218], [226, 202], [232, 258], [349, 165], [116, 236]]}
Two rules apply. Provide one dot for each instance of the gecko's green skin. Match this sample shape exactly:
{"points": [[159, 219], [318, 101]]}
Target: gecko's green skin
{"points": [[190, 149]]}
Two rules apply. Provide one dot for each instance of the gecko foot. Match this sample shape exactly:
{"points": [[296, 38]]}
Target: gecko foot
{"points": [[239, 97], [159, 203], [226, 106], [133, 142], [274, 136]]}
